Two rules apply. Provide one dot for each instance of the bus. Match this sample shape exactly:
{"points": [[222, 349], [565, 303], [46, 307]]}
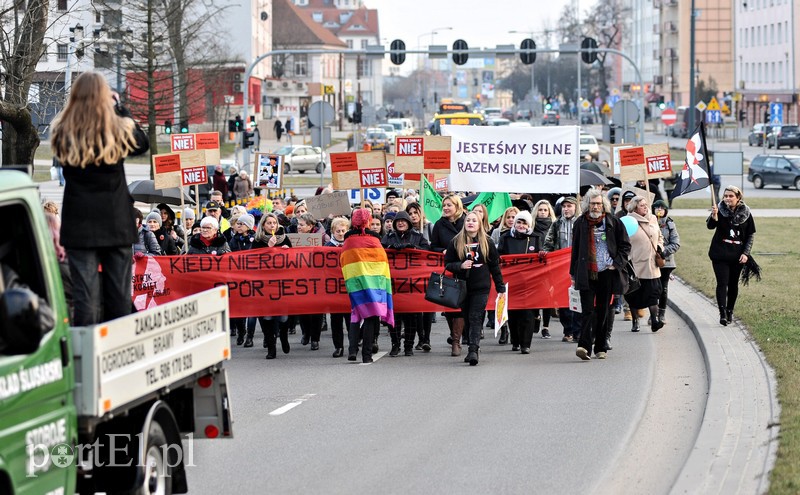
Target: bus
{"points": [[460, 118], [449, 106]]}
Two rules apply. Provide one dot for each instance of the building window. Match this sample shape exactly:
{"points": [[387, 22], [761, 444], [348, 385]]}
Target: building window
{"points": [[364, 44], [350, 44], [780, 71], [62, 5], [300, 65], [780, 35], [364, 67], [62, 52], [772, 34]]}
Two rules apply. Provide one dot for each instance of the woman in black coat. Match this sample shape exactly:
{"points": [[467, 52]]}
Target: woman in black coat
{"points": [[444, 230], [472, 256], [521, 239], [734, 233], [91, 137]]}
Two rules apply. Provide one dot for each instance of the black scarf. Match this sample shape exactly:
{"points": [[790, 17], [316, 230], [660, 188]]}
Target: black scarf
{"points": [[738, 215]]}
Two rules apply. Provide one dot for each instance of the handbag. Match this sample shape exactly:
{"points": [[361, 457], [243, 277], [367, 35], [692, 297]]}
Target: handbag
{"points": [[446, 291], [631, 278], [659, 258]]}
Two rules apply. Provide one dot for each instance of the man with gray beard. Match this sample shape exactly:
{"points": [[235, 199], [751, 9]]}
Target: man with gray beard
{"points": [[600, 250]]}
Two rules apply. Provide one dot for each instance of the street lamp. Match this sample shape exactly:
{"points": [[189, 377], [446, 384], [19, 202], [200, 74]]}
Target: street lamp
{"points": [[77, 35]]}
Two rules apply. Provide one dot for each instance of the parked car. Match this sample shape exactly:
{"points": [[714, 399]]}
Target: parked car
{"points": [[301, 158], [524, 114], [390, 132], [757, 133], [783, 170], [588, 146], [377, 139], [587, 118], [783, 135], [508, 114], [550, 118], [491, 112]]}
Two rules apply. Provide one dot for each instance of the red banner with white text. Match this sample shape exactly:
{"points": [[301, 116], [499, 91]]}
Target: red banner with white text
{"points": [[273, 281]]}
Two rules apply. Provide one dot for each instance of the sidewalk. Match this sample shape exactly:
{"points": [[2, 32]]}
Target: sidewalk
{"points": [[738, 441]]}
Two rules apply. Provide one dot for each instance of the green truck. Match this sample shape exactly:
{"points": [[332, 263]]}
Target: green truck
{"points": [[110, 408]]}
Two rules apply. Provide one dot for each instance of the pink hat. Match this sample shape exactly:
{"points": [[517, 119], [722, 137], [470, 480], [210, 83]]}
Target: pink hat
{"points": [[361, 218]]}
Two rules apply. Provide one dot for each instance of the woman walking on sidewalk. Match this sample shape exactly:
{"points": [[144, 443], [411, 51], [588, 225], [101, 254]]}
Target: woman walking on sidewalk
{"points": [[730, 247], [672, 242], [646, 241]]}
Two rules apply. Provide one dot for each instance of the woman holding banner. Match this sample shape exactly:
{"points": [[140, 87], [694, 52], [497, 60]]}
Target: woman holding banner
{"points": [[734, 232], [520, 240], [472, 256], [545, 216], [339, 321], [270, 234], [444, 230], [425, 320]]}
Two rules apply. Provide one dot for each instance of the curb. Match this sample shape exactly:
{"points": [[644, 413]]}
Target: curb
{"points": [[737, 445]]}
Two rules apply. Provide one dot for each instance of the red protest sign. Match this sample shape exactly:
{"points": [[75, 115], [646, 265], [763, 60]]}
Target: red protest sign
{"points": [[372, 177], [194, 175], [408, 146], [206, 140], [183, 142], [344, 162], [166, 163], [658, 164], [437, 160], [631, 156]]}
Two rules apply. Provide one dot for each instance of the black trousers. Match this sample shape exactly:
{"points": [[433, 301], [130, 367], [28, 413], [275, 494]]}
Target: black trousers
{"points": [[408, 322], [100, 295], [596, 303], [727, 275], [662, 299], [366, 331], [338, 322], [473, 311], [520, 326], [311, 325]]}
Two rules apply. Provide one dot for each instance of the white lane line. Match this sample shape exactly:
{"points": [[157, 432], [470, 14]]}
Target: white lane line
{"points": [[375, 357], [288, 407]]}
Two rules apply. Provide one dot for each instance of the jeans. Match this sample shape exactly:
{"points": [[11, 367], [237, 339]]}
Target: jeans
{"points": [[594, 324], [727, 275], [571, 321], [473, 310], [101, 283]]}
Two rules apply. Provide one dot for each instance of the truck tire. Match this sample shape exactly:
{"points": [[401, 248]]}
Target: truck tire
{"points": [[157, 471]]}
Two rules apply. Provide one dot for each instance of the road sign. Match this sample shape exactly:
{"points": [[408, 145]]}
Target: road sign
{"points": [[701, 105], [314, 112], [625, 114], [775, 113], [669, 116], [713, 117], [713, 104], [585, 104], [606, 109]]}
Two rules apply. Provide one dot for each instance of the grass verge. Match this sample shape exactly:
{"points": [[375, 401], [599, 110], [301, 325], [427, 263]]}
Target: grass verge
{"points": [[766, 203], [769, 310]]}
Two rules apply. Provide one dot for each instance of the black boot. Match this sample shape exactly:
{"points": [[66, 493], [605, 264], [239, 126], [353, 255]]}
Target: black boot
{"points": [[285, 340], [395, 350], [655, 323], [248, 342], [723, 316], [729, 315], [661, 315], [240, 340], [472, 356], [635, 320], [503, 336], [271, 352]]}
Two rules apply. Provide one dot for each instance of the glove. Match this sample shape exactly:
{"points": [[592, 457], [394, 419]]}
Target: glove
{"points": [[137, 256]]}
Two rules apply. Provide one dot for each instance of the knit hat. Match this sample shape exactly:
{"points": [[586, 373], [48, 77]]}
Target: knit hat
{"points": [[248, 220], [660, 203], [188, 213], [526, 216], [361, 218], [627, 196], [153, 215], [389, 216]]}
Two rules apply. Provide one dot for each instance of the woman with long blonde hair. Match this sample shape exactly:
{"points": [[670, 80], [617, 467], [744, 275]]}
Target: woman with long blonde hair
{"points": [[472, 256], [91, 137]]}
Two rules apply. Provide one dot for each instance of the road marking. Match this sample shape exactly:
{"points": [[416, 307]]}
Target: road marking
{"points": [[288, 407], [375, 357]]}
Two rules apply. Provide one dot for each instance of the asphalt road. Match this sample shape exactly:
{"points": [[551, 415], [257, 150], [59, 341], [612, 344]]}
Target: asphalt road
{"points": [[540, 423]]}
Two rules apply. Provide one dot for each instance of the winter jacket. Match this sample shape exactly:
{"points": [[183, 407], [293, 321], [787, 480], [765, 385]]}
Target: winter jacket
{"points": [[443, 232], [411, 238], [644, 243], [515, 242], [166, 242], [672, 242], [734, 235], [220, 182], [619, 247], [560, 234], [243, 242], [242, 188], [479, 277], [96, 199], [146, 243], [496, 233], [218, 245]]}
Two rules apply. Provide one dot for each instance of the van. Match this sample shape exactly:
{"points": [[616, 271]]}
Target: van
{"points": [[403, 126]]}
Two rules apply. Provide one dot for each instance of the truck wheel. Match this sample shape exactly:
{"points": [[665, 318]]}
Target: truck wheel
{"points": [[157, 471]]}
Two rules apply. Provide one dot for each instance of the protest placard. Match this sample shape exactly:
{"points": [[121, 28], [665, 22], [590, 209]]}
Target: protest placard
{"points": [[335, 203], [422, 154], [306, 240], [503, 159], [650, 161], [269, 171], [346, 169], [167, 167]]}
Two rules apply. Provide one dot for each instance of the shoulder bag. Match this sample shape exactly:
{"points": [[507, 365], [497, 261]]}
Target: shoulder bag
{"points": [[631, 278], [446, 291]]}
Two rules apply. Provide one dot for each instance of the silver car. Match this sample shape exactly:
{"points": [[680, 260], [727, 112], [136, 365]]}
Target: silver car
{"points": [[301, 158]]}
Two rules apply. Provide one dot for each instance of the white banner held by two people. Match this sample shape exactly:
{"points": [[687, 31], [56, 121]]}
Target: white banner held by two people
{"points": [[506, 159]]}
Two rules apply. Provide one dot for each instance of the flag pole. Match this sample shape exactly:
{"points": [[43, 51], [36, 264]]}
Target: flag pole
{"points": [[708, 160]]}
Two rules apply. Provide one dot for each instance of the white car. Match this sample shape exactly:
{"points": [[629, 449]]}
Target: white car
{"points": [[498, 121], [588, 146], [390, 132], [301, 158]]}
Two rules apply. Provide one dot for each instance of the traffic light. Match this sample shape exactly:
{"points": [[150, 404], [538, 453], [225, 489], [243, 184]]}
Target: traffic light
{"points": [[231, 125], [184, 126], [589, 57], [766, 117], [238, 123], [742, 115], [435, 97], [460, 58], [167, 127], [248, 139], [397, 54], [357, 113], [252, 121], [527, 57], [661, 103]]}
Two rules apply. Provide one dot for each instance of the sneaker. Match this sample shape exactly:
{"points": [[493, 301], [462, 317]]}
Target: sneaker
{"points": [[566, 338], [395, 350], [600, 355], [418, 347], [583, 354], [375, 348], [426, 347], [409, 352], [628, 316], [545, 333]]}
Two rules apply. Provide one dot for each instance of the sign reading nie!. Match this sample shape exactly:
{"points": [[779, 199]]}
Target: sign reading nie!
{"points": [[426, 154], [194, 175]]}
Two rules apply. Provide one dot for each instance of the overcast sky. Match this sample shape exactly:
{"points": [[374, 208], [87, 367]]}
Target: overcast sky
{"points": [[481, 23]]}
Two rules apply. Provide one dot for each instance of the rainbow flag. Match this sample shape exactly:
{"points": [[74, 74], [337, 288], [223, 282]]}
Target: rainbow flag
{"points": [[365, 268]]}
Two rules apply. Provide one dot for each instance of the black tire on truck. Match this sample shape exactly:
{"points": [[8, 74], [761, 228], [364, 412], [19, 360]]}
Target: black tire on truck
{"points": [[157, 471]]}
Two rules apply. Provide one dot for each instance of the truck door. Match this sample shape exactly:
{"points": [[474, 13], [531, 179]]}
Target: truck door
{"points": [[37, 413]]}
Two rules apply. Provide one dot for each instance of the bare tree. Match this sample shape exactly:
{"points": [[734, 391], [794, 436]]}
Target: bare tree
{"points": [[21, 47], [604, 23]]}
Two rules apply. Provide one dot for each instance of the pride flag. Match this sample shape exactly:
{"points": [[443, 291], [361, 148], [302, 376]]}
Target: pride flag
{"points": [[365, 268]]}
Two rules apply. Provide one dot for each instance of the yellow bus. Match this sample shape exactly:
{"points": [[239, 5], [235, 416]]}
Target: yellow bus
{"points": [[460, 118]]}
